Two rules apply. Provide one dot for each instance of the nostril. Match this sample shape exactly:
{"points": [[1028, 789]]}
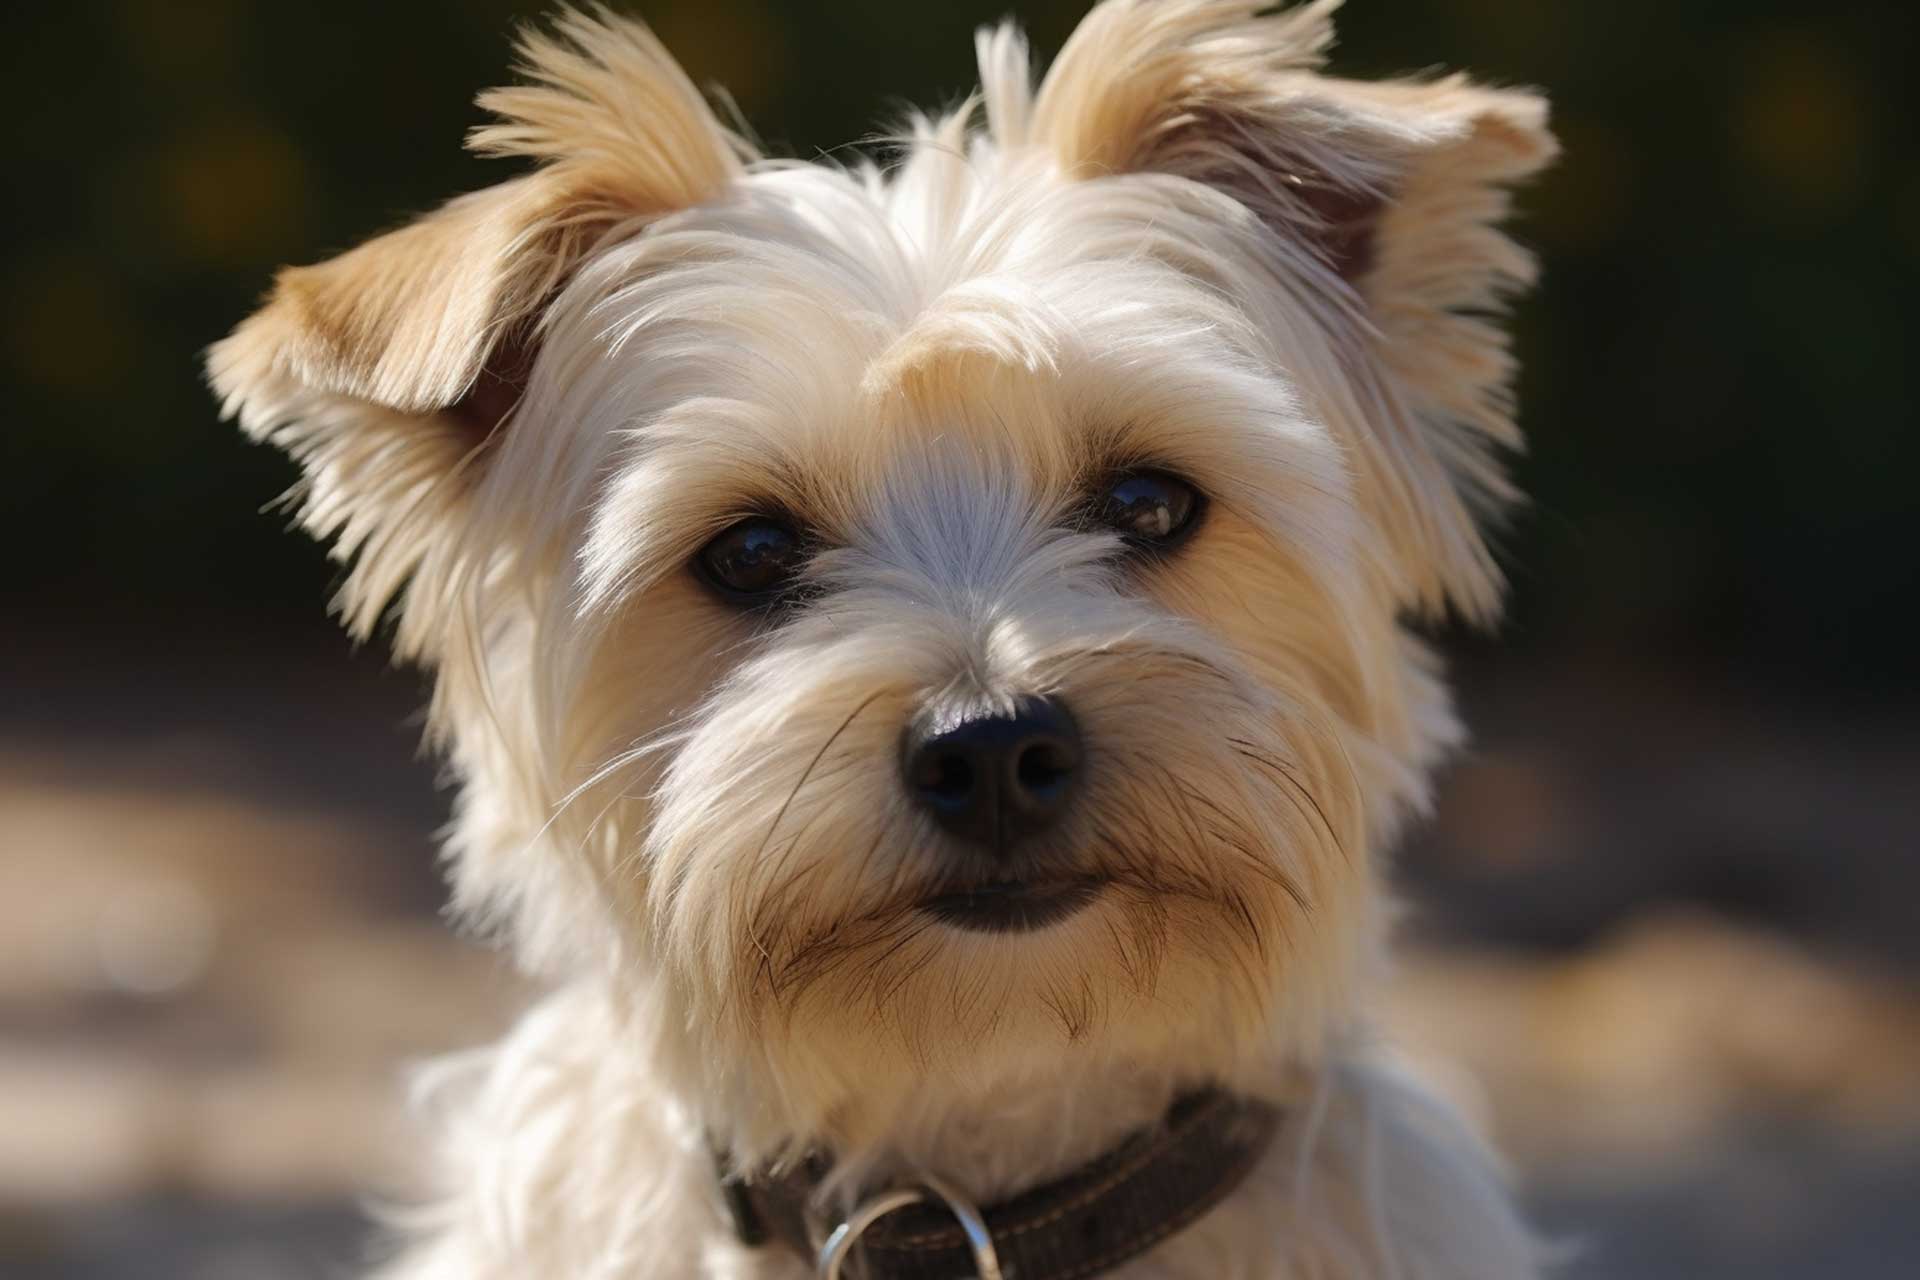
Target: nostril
{"points": [[1042, 769], [943, 777]]}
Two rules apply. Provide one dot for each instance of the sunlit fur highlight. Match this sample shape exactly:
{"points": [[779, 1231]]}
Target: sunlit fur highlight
{"points": [[688, 820]]}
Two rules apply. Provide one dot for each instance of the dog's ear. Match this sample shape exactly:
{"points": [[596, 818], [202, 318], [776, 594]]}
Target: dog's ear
{"points": [[1384, 198], [385, 370]]}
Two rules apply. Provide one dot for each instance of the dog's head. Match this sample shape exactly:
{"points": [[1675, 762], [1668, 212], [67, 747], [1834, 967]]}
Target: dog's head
{"points": [[947, 615]]}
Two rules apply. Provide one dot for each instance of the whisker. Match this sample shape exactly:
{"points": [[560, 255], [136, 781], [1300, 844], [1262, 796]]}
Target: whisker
{"points": [[766, 956], [806, 773], [1295, 787]]}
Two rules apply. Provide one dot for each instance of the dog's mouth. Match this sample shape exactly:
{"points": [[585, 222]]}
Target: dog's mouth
{"points": [[1012, 906]]}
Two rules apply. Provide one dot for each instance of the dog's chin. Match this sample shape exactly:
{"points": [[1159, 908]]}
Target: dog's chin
{"points": [[1011, 906]]}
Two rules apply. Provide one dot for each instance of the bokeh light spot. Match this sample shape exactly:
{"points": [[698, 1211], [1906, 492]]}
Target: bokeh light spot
{"points": [[1800, 121]]}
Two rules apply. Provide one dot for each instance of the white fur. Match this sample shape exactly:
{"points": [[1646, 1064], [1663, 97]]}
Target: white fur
{"points": [[690, 820]]}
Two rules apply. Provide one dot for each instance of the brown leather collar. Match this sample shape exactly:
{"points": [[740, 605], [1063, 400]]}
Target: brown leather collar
{"points": [[1115, 1208]]}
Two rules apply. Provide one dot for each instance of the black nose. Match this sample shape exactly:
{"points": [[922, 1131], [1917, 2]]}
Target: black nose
{"points": [[996, 778]]}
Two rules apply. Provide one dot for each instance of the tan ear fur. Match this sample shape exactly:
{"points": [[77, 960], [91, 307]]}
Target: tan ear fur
{"points": [[1437, 290], [407, 320], [381, 370], [1389, 194]]}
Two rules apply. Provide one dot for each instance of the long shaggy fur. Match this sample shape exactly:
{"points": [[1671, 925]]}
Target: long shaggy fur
{"points": [[1185, 248]]}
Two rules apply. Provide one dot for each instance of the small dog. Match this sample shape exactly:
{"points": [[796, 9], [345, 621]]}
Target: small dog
{"points": [[925, 650]]}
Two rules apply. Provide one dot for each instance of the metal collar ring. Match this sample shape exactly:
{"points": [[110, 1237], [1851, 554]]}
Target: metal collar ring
{"points": [[841, 1241]]}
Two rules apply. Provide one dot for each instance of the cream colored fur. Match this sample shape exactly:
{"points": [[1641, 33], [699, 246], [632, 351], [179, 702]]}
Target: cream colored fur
{"points": [[1186, 248]]}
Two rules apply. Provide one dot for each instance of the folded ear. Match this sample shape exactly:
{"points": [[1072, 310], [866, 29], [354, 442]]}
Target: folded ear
{"points": [[1385, 197], [384, 371]]}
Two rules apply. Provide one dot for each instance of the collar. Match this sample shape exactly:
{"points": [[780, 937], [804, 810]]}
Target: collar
{"points": [[1114, 1208]]}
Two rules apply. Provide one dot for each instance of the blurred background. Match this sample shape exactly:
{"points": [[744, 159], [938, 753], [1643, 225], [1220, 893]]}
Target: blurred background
{"points": [[1665, 930]]}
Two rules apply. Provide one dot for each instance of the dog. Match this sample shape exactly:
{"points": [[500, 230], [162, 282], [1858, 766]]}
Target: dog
{"points": [[928, 650]]}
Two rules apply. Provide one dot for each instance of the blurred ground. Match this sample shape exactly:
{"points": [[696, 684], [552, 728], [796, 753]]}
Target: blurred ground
{"points": [[217, 946]]}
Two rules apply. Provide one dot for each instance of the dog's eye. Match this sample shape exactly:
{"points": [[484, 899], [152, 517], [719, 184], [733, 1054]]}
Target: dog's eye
{"points": [[1151, 508], [753, 561]]}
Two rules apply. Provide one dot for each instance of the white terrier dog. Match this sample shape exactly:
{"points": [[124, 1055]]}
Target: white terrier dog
{"points": [[925, 650]]}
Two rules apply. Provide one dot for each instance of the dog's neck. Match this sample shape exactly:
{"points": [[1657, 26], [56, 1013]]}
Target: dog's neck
{"points": [[995, 1136], [1002, 1137]]}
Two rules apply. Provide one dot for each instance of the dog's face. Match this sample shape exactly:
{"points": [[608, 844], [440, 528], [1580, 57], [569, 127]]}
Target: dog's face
{"points": [[945, 619]]}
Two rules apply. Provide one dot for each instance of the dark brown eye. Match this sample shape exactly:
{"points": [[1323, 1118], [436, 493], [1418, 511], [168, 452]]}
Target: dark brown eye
{"points": [[1151, 508], [753, 561]]}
